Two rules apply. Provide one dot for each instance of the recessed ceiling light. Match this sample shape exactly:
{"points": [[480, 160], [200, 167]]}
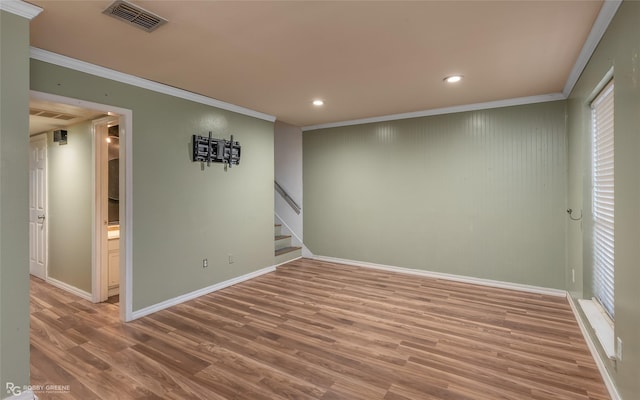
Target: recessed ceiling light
{"points": [[318, 103], [453, 78]]}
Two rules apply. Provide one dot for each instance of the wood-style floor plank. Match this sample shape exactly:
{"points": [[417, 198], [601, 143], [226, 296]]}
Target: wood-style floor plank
{"points": [[317, 330]]}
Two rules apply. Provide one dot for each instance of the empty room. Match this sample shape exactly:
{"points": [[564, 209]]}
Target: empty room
{"points": [[320, 200]]}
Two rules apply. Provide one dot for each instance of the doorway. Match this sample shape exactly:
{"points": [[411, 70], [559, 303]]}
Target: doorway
{"points": [[106, 132], [108, 219]]}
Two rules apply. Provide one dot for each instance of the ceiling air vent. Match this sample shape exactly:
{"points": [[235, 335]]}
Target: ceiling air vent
{"points": [[51, 114], [134, 15]]}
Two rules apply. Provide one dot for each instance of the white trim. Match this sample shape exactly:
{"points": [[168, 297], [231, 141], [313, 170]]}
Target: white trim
{"points": [[450, 277], [200, 292], [606, 377], [126, 228], [601, 324], [82, 66], [21, 8], [288, 261], [126, 214], [607, 12], [99, 251], [68, 288], [446, 110], [306, 252], [608, 76]]}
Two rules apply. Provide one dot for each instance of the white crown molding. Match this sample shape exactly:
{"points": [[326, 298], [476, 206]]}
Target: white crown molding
{"points": [[450, 277], [607, 12], [446, 110], [200, 292], [82, 66], [19, 7]]}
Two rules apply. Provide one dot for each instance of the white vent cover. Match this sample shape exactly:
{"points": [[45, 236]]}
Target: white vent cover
{"points": [[51, 114], [134, 15]]}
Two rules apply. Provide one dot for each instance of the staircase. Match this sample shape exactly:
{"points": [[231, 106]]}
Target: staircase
{"points": [[284, 251]]}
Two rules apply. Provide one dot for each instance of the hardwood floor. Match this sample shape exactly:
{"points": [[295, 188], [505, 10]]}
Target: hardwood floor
{"points": [[316, 330]]}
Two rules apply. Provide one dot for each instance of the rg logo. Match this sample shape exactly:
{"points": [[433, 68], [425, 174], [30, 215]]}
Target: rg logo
{"points": [[13, 389]]}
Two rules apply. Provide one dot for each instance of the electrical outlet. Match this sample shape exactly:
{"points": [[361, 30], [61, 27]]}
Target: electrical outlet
{"points": [[231, 261], [619, 348], [573, 275], [205, 263]]}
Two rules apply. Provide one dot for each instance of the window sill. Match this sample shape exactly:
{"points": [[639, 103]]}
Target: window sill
{"points": [[601, 325]]}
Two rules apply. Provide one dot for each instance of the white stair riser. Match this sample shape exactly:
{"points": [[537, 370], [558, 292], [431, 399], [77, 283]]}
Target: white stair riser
{"points": [[282, 243], [282, 258]]}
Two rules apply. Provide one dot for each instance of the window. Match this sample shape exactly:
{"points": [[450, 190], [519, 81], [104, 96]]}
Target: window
{"points": [[603, 198]]}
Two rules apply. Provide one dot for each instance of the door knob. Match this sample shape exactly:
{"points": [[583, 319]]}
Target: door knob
{"points": [[41, 218]]}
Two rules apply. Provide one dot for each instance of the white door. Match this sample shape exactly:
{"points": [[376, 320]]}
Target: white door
{"points": [[38, 206]]}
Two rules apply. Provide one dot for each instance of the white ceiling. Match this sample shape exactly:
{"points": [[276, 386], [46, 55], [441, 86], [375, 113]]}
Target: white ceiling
{"points": [[364, 59], [46, 116]]}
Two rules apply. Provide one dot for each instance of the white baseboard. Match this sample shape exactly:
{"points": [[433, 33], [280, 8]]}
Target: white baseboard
{"points": [[608, 380], [200, 292], [69, 288], [288, 261], [306, 253], [24, 395], [450, 277]]}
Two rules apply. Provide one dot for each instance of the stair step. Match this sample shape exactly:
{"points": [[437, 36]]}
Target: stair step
{"points": [[286, 250], [280, 237]]}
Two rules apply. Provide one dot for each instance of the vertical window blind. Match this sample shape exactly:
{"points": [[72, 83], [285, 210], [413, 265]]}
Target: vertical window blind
{"points": [[603, 198]]}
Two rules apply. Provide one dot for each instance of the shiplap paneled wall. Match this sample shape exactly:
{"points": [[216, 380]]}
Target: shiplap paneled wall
{"points": [[478, 194]]}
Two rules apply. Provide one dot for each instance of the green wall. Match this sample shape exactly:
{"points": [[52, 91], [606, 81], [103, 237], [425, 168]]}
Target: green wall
{"points": [[619, 48], [70, 189], [479, 194], [14, 200], [183, 213]]}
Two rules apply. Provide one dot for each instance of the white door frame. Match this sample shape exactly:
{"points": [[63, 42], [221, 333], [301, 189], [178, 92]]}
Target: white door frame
{"points": [[45, 222], [100, 277], [126, 201]]}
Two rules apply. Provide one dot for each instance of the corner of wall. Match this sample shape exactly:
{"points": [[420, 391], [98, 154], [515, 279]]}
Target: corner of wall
{"points": [[14, 195]]}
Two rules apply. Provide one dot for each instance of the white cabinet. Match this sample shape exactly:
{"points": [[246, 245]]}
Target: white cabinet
{"points": [[114, 266]]}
